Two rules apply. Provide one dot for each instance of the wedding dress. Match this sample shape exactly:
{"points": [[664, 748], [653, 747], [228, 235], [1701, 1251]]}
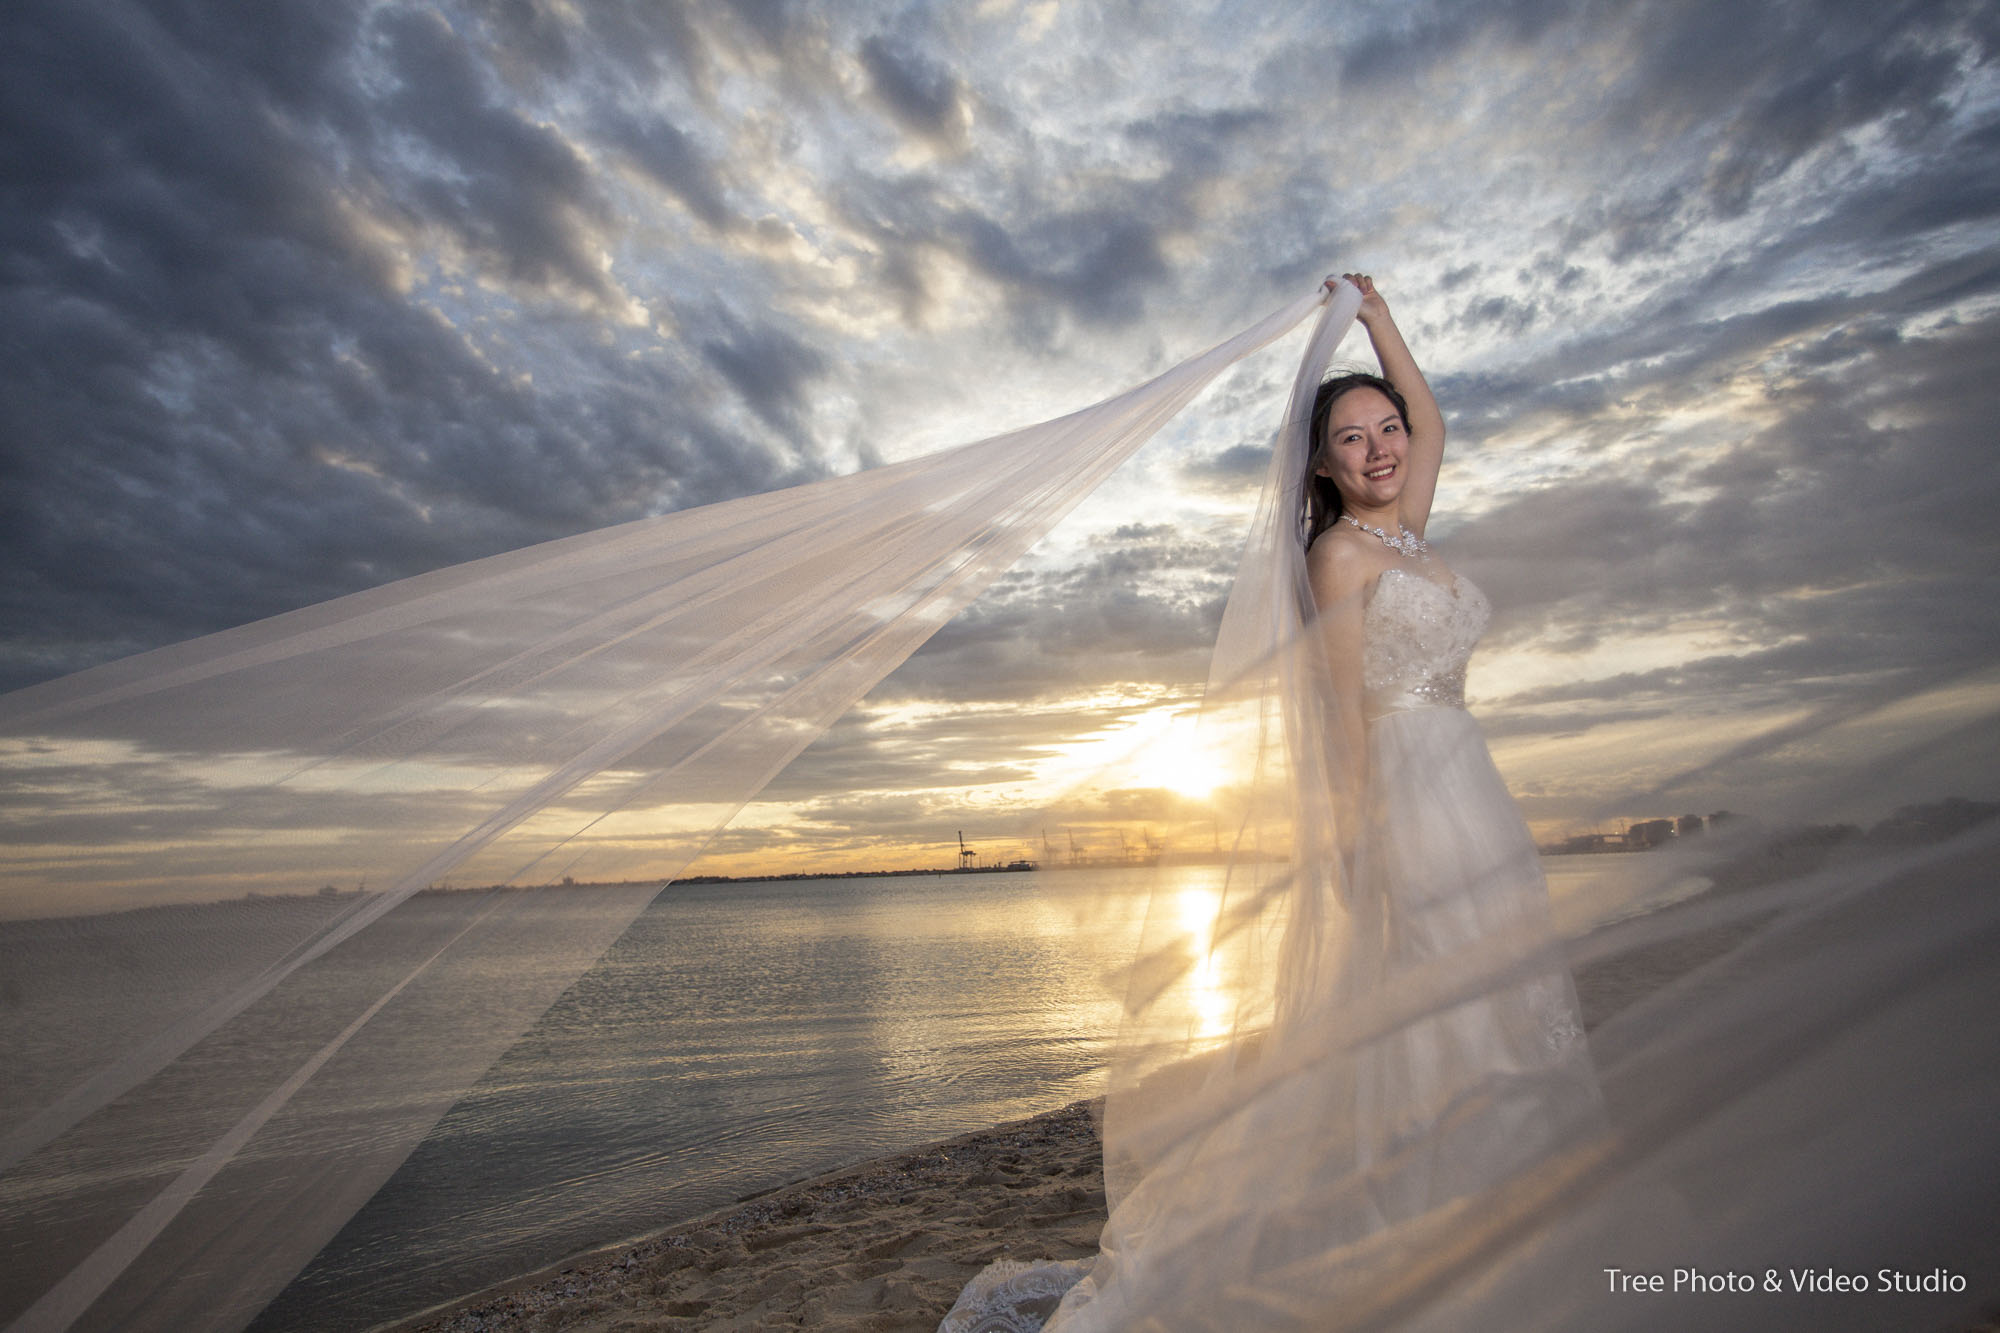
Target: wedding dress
{"points": [[1446, 1105], [1446, 857]]}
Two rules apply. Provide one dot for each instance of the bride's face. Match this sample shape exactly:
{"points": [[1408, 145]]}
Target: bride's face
{"points": [[1365, 448]]}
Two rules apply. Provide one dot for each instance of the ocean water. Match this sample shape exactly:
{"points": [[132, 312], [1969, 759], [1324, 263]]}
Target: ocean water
{"points": [[742, 1036], [739, 1037]]}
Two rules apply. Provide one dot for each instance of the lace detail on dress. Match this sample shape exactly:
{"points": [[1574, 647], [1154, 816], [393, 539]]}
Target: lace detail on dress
{"points": [[1420, 634], [1012, 1297]]}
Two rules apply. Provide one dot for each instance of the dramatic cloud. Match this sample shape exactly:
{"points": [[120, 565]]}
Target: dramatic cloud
{"points": [[298, 299]]}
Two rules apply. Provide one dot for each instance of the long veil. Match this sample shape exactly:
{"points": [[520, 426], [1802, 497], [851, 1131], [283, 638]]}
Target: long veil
{"points": [[239, 984]]}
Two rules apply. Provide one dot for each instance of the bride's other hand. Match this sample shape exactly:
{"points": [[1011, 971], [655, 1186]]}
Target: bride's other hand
{"points": [[1373, 307]]}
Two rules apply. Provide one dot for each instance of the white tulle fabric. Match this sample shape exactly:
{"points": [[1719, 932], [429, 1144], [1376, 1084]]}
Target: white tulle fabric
{"points": [[183, 1129], [1347, 1092]]}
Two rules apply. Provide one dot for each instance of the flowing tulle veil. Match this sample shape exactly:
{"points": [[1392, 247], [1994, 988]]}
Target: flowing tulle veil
{"points": [[238, 987], [200, 1092]]}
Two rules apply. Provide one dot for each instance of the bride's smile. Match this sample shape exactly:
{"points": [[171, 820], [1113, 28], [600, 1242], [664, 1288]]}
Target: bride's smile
{"points": [[1366, 444]]}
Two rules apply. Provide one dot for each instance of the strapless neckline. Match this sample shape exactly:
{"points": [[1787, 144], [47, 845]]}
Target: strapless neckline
{"points": [[1453, 589], [1417, 643]]}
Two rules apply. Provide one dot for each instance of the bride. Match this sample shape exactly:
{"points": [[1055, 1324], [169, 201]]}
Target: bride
{"points": [[1422, 1043]]}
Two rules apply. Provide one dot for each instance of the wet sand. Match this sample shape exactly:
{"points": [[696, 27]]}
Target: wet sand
{"points": [[881, 1246]]}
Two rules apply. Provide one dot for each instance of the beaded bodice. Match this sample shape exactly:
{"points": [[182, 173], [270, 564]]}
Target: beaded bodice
{"points": [[1420, 632]]}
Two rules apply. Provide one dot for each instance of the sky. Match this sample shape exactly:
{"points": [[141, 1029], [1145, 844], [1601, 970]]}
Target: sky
{"points": [[297, 299]]}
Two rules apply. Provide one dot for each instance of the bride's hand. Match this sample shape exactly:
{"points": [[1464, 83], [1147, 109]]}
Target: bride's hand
{"points": [[1373, 307]]}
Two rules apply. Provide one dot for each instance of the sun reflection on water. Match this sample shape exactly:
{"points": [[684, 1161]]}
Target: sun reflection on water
{"points": [[1208, 999]]}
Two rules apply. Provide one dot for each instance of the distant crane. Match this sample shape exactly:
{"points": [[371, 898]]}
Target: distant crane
{"points": [[965, 854]]}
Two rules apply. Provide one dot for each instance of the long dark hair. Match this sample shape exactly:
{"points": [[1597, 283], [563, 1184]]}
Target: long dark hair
{"points": [[1322, 496]]}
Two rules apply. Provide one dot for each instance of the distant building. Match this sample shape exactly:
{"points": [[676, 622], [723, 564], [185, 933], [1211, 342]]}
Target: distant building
{"points": [[1649, 832], [1580, 843]]}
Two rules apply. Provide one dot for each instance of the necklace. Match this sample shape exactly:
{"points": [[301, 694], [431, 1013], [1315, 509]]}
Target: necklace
{"points": [[1404, 543]]}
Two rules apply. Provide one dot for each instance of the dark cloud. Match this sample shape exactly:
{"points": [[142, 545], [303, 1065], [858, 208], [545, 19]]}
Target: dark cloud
{"points": [[1848, 547], [1096, 262], [227, 394], [515, 193], [650, 43], [767, 365], [1710, 104], [1504, 313], [1787, 78], [671, 158], [1757, 92], [1201, 145], [771, 20], [1632, 227], [533, 38], [923, 96], [1678, 347], [1429, 35], [1237, 468]]}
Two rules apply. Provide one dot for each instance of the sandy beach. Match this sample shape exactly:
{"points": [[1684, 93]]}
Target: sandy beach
{"points": [[882, 1246]]}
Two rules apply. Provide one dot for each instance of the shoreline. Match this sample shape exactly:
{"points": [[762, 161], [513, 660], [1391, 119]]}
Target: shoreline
{"points": [[883, 1245]]}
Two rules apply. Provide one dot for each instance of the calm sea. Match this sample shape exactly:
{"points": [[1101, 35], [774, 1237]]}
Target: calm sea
{"points": [[738, 1037]]}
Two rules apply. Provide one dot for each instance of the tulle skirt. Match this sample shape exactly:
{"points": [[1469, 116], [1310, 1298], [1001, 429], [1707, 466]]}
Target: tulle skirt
{"points": [[1331, 1153], [1455, 1100]]}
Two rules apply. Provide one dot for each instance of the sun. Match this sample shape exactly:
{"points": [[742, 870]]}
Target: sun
{"points": [[1178, 758], [1165, 748]]}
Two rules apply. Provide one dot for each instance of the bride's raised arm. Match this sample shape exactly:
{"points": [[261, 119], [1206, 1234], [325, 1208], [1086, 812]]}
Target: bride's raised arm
{"points": [[1426, 448]]}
